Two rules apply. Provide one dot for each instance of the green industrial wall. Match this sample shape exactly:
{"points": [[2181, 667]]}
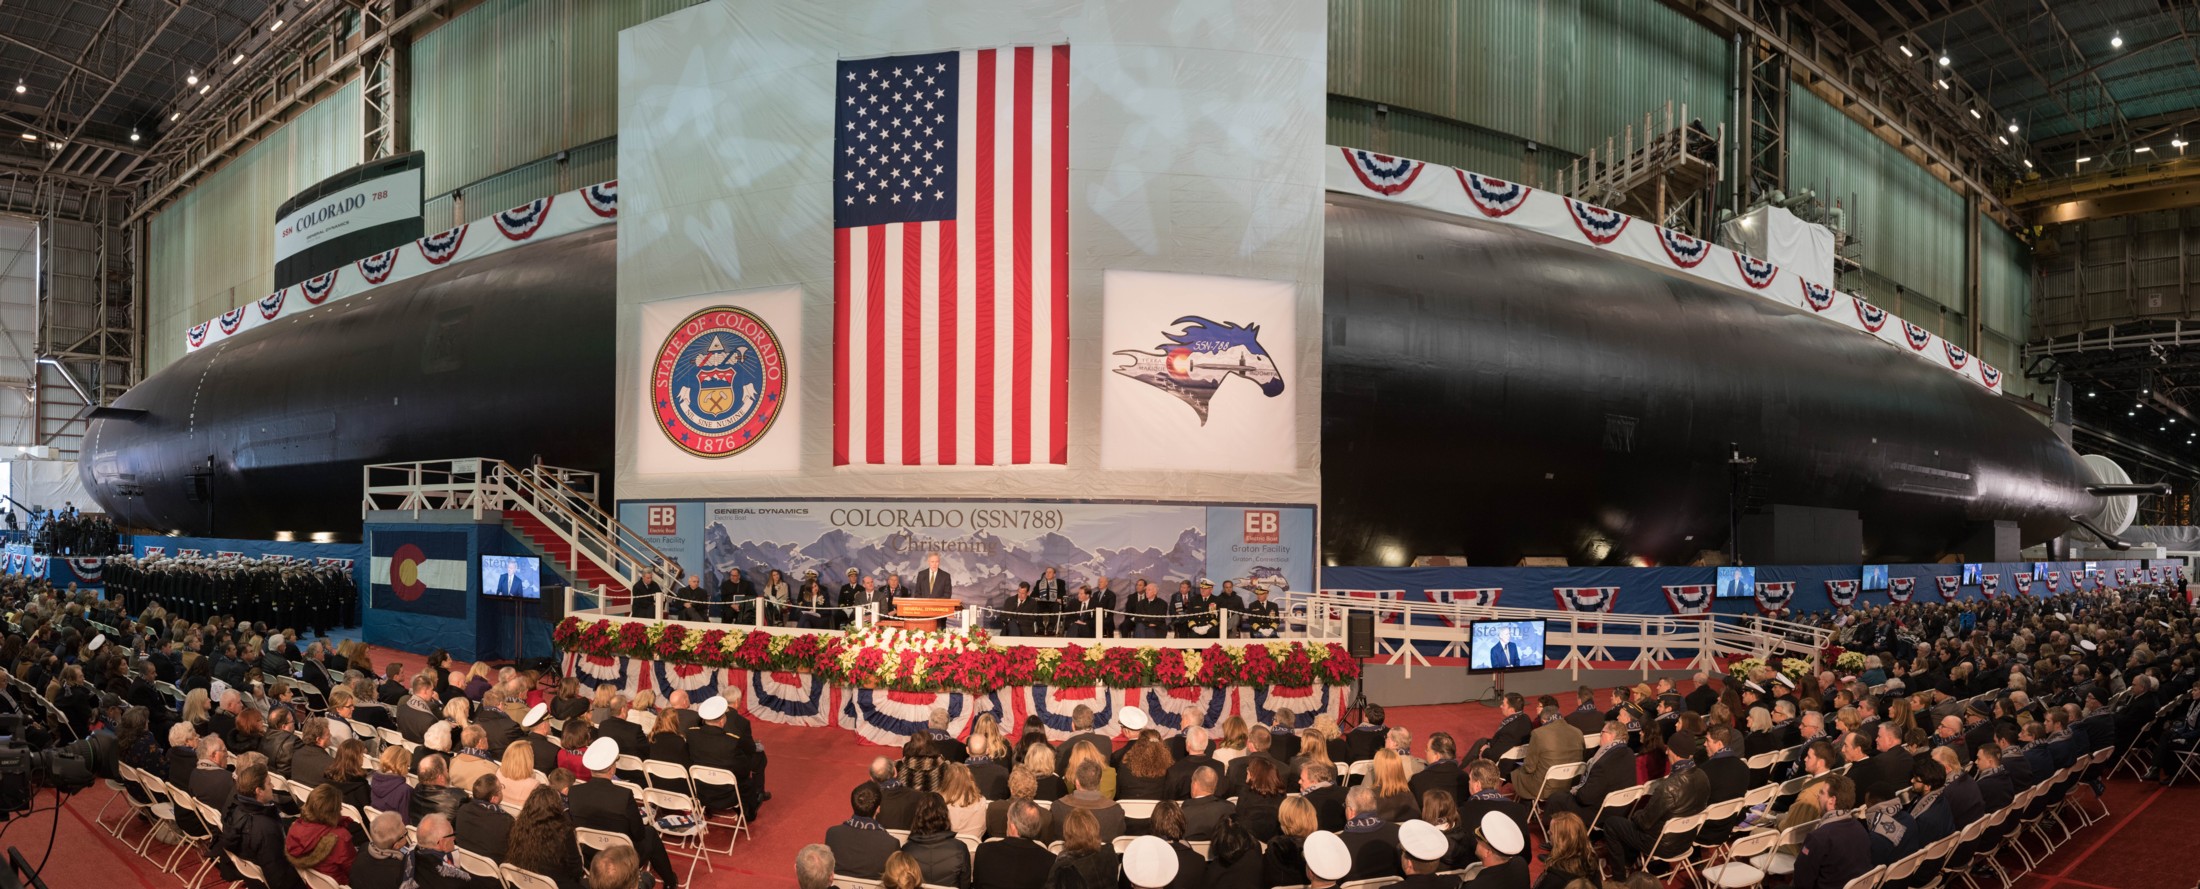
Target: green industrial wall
{"points": [[1470, 84], [496, 93], [214, 248]]}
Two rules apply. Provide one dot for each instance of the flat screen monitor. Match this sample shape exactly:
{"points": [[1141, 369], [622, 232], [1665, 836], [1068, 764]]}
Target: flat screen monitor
{"points": [[1875, 578], [1497, 646], [1971, 573], [1737, 583], [2040, 569], [2091, 567], [511, 577]]}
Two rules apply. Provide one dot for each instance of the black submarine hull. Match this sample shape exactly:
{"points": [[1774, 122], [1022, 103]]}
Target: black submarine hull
{"points": [[1496, 394], [507, 356], [1487, 393]]}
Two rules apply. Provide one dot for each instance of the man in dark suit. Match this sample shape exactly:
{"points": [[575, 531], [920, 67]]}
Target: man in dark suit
{"points": [[484, 828], [392, 690], [1022, 615], [1703, 696], [713, 744], [1978, 724], [1367, 737], [1485, 794], [1891, 767], [1995, 790], [1080, 722], [1611, 769], [897, 803], [932, 583], [1513, 726], [1585, 715], [1372, 841], [311, 760], [1723, 768], [861, 844], [1441, 773], [1202, 812], [1838, 849], [509, 583], [630, 738], [211, 782], [497, 727], [537, 728], [434, 795], [1318, 784], [1504, 653], [597, 803], [419, 711], [1018, 862], [1195, 758]]}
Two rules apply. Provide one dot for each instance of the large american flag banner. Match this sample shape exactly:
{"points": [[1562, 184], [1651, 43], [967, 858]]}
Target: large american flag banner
{"points": [[950, 259]]}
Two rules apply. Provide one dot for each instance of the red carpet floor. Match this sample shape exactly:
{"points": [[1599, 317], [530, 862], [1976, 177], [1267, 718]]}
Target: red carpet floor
{"points": [[2152, 841]]}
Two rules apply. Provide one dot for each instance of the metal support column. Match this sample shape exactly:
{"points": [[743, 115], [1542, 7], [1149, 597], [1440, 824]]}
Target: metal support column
{"points": [[384, 77], [1765, 82]]}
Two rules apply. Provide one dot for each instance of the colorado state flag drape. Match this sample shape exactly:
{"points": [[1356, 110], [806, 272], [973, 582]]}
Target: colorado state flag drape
{"points": [[422, 572], [950, 259]]}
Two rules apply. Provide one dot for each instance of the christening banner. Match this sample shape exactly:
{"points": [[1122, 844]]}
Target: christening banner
{"points": [[986, 547]]}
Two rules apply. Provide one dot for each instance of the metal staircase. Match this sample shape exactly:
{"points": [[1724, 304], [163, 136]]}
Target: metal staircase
{"points": [[553, 509]]}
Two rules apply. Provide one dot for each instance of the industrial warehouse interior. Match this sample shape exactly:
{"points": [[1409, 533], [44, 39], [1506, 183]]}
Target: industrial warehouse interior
{"points": [[1066, 444]]}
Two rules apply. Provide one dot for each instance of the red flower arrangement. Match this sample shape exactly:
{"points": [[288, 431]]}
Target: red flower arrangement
{"points": [[922, 663]]}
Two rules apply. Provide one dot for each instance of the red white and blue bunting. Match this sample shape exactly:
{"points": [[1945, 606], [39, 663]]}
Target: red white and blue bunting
{"points": [[2023, 583], [2123, 576], [1989, 585], [1381, 173], [1482, 197], [88, 570], [1494, 197], [1773, 598], [1949, 585], [1599, 599], [538, 219], [887, 717], [1485, 597], [2054, 580], [1900, 589], [1842, 592], [1689, 598]]}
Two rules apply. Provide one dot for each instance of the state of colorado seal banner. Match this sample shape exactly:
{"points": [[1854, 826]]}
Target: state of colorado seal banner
{"points": [[718, 371]]}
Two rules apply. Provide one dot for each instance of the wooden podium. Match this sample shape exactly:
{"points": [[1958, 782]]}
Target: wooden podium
{"points": [[911, 613]]}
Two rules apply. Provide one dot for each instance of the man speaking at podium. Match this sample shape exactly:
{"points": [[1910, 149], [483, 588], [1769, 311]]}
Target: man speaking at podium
{"points": [[932, 583]]}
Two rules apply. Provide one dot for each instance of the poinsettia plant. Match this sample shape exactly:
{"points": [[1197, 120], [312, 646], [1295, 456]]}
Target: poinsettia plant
{"points": [[906, 660]]}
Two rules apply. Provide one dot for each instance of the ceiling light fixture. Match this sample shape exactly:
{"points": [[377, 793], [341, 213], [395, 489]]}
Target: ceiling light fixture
{"points": [[2086, 160], [20, 88], [2004, 139], [2012, 126], [30, 137], [191, 79], [2142, 149], [237, 60], [277, 26], [1944, 59], [1943, 84], [2116, 40], [2028, 163], [172, 117], [1906, 53], [2178, 143], [1977, 116], [203, 89], [134, 135]]}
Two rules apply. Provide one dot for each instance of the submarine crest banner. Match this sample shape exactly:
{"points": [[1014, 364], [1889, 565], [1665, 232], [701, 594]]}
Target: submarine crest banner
{"points": [[718, 375], [1197, 371]]}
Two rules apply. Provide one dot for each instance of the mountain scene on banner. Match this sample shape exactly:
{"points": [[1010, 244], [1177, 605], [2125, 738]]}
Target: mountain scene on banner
{"points": [[990, 574]]}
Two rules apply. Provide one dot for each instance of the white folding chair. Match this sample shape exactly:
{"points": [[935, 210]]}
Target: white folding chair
{"points": [[1678, 833], [522, 878], [1739, 871], [478, 864], [318, 880], [1556, 779], [123, 772], [1137, 808], [1617, 801], [599, 840], [1370, 883], [686, 838], [736, 820], [1868, 879]]}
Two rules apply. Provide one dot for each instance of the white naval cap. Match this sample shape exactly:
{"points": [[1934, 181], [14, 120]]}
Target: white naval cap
{"points": [[1500, 832], [1422, 840], [1132, 719], [601, 755], [1149, 863], [1326, 856], [711, 709]]}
